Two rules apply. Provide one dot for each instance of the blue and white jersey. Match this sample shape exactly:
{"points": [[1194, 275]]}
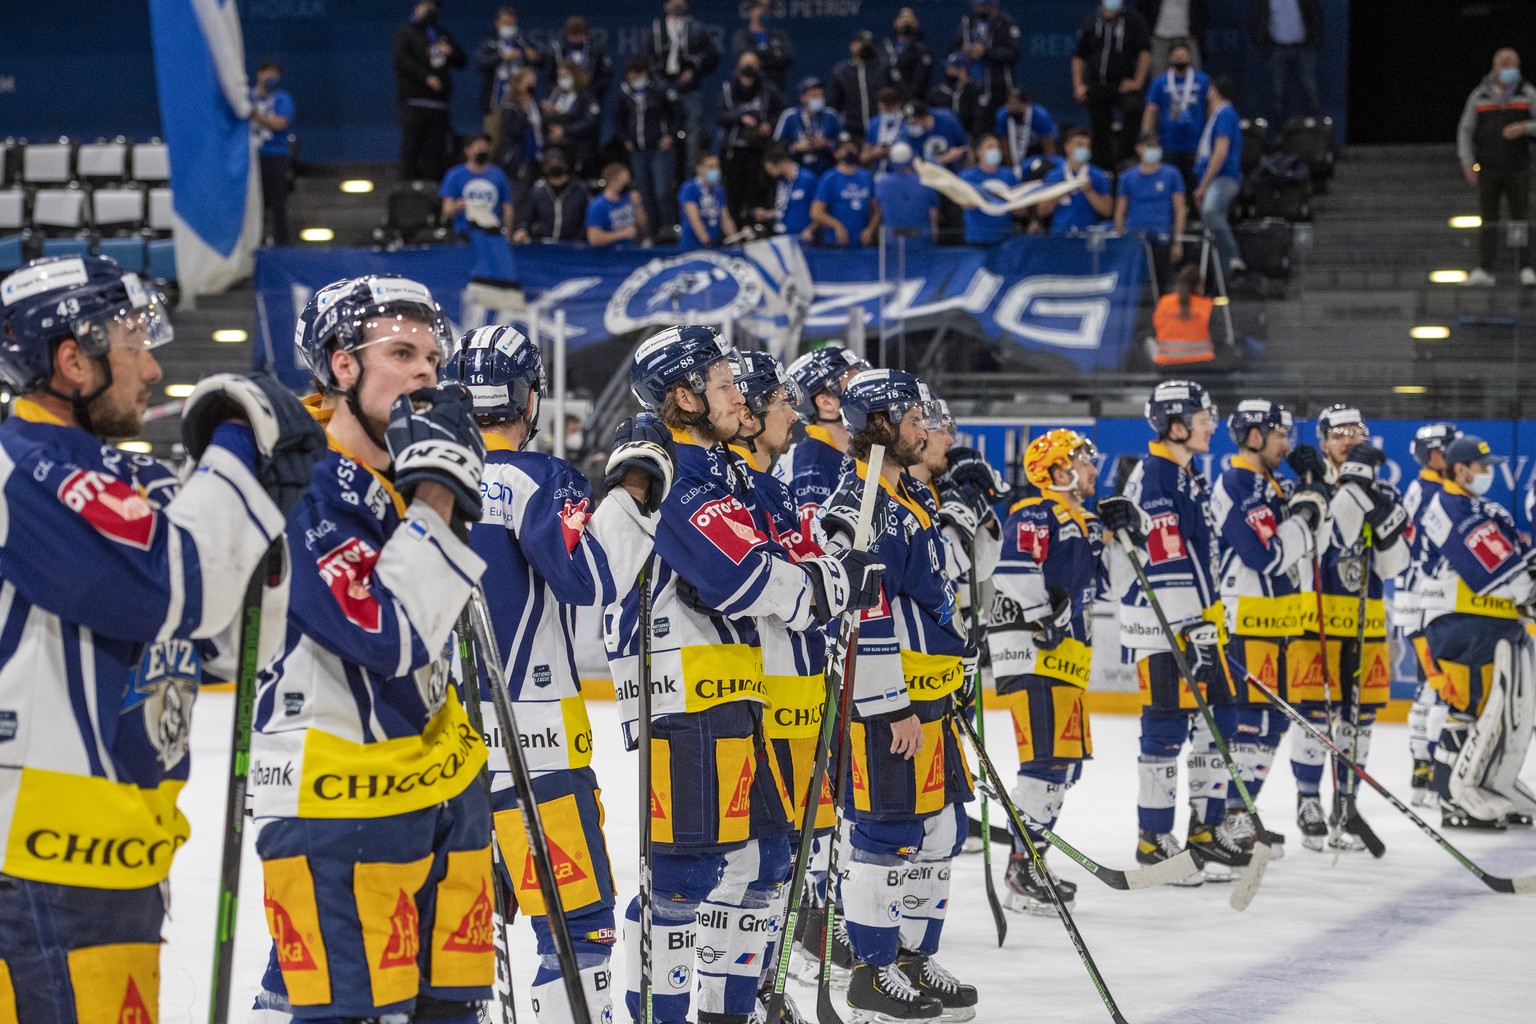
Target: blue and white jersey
{"points": [[1407, 614], [1266, 554], [1471, 558], [813, 468], [114, 582], [547, 553], [1343, 562], [357, 718]]}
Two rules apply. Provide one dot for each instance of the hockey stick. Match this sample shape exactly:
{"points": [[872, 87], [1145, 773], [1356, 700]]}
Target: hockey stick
{"points": [[979, 639], [1525, 884], [1248, 887], [647, 792], [527, 804], [1348, 816], [990, 771], [471, 682], [847, 634], [268, 573]]}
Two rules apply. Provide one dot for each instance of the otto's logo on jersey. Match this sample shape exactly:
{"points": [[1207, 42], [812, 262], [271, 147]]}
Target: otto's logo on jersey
{"points": [[1035, 541], [111, 505], [1262, 522], [573, 520], [728, 526], [1489, 545], [347, 570], [1164, 543]]}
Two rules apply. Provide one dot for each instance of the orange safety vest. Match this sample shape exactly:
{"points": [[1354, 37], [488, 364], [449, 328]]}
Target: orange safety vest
{"points": [[1182, 339]]}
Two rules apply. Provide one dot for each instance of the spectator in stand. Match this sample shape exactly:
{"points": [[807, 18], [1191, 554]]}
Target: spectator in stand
{"points": [[810, 130], [989, 39], [959, 95], [771, 45], [1109, 71], [856, 82], [682, 55], [648, 122], [271, 120], [707, 219], [935, 135], [1176, 110], [1026, 127], [988, 228], [522, 132], [577, 46], [423, 55], [1150, 202], [556, 207], [615, 214], [1289, 33], [476, 194], [1182, 322], [844, 207], [573, 117], [884, 129], [1219, 171], [906, 56], [794, 191], [1173, 22], [1493, 141], [498, 58], [907, 208], [749, 106], [1089, 205]]}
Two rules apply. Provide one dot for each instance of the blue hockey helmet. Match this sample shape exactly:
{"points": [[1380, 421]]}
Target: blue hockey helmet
{"points": [[893, 392], [1340, 417], [821, 370], [80, 297], [1263, 414], [504, 373], [340, 314], [758, 376], [1177, 401], [677, 355], [1431, 438]]}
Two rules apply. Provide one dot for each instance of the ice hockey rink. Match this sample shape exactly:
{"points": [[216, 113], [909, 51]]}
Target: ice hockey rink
{"points": [[1412, 937]]}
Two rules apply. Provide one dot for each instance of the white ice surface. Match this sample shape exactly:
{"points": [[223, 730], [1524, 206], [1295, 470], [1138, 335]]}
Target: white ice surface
{"points": [[1411, 938]]}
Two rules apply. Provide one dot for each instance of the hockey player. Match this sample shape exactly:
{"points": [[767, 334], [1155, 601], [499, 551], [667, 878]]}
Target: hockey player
{"points": [[1165, 510], [909, 780], [1269, 532], [814, 466], [1051, 571], [1355, 668], [548, 553], [1476, 580], [373, 838], [1427, 715], [115, 580], [714, 788]]}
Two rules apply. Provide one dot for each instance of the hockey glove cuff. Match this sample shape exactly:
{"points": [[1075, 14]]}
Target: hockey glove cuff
{"points": [[1203, 655], [433, 438]]}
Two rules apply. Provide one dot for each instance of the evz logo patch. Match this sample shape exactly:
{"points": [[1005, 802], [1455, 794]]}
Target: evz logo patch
{"points": [[110, 505], [1489, 545], [1035, 541], [1164, 544], [347, 569], [728, 526], [1262, 521]]}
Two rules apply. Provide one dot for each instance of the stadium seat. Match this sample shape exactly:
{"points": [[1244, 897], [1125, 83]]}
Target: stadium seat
{"points": [[10, 160], [151, 163], [411, 217], [128, 252], [103, 162], [57, 212], [48, 163], [161, 213], [79, 246], [117, 211], [162, 259], [11, 254], [1255, 142], [13, 210]]}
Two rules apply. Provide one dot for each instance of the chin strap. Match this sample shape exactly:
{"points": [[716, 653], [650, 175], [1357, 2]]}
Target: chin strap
{"points": [[79, 403], [350, 395]]}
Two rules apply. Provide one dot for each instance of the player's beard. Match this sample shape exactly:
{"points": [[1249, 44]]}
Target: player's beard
{"points": [[114, 416], [907, 454]]}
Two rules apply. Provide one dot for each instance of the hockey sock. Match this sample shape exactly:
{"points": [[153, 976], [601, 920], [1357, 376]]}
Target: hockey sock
{"points": [[1040, 790], [672, 960], [1253, 750], [550, 1004], [925, 889], [1345, 734], [1418, 722], [871, 890], [1436, 719], [1308, 755], [1208, 776], [1157, 792], [735, 924]]}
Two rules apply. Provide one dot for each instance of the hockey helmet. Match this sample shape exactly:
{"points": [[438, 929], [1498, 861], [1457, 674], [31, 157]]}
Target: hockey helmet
{"points": [[1049, 450], [758, 376], [1177, 401], [1431, 438], [1261, 413], [340, 314], [1341, 417], [821, 370], [677, 355], [503, 371], [81, 297], [893, 392]]}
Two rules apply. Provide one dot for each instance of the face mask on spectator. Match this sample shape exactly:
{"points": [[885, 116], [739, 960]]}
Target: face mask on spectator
{"points": [[557, 172], [479, 156], [637, 85], [1152, 155], [816, 104], [991, 156], [847, 156], [566, 83], [1509, 76], [507, 32], [1113, 6], [1080, 154], [747, 74], [1180, 66], [712, 175], [866, 52], [1481, 481], [272, 81]]}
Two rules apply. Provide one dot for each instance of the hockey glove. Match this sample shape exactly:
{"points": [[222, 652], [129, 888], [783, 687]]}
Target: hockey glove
{"points": [[970, 666], [644, 443], [1361, 464], [1386, 515], [1310, 504], [847, 581], [432, 438], [968, 469], [289, 441], [1203, 655], [1118, 513], [1050, 632], [688, 596], [839, 518], [1308, 465]]}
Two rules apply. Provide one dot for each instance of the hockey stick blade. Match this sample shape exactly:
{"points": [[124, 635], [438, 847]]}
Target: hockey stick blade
{"points": [[1247, 886]]}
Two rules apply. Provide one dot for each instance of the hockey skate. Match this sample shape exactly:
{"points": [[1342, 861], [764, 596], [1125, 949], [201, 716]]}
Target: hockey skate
{"points": [[931, 979], [1311, 820], [1240, 826], [1453, 815], [810, 943], [1028, 892], [1156, 847], [1423, 783], [792, 1014], [1215, 850], [885, 995], [1347, 834]]}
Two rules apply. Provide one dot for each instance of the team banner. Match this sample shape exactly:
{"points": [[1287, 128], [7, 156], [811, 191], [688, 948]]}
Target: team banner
{"points": [[1075, 298]]}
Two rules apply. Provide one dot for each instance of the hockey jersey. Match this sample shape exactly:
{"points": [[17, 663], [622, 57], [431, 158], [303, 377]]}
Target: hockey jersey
{"points": [[547, 553], [1407, 614], [1266, 567], [1472, 560], [1047, 545], [813, 468], [357, 716], [1180, 557], [1343, 563], [112, 580]]}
